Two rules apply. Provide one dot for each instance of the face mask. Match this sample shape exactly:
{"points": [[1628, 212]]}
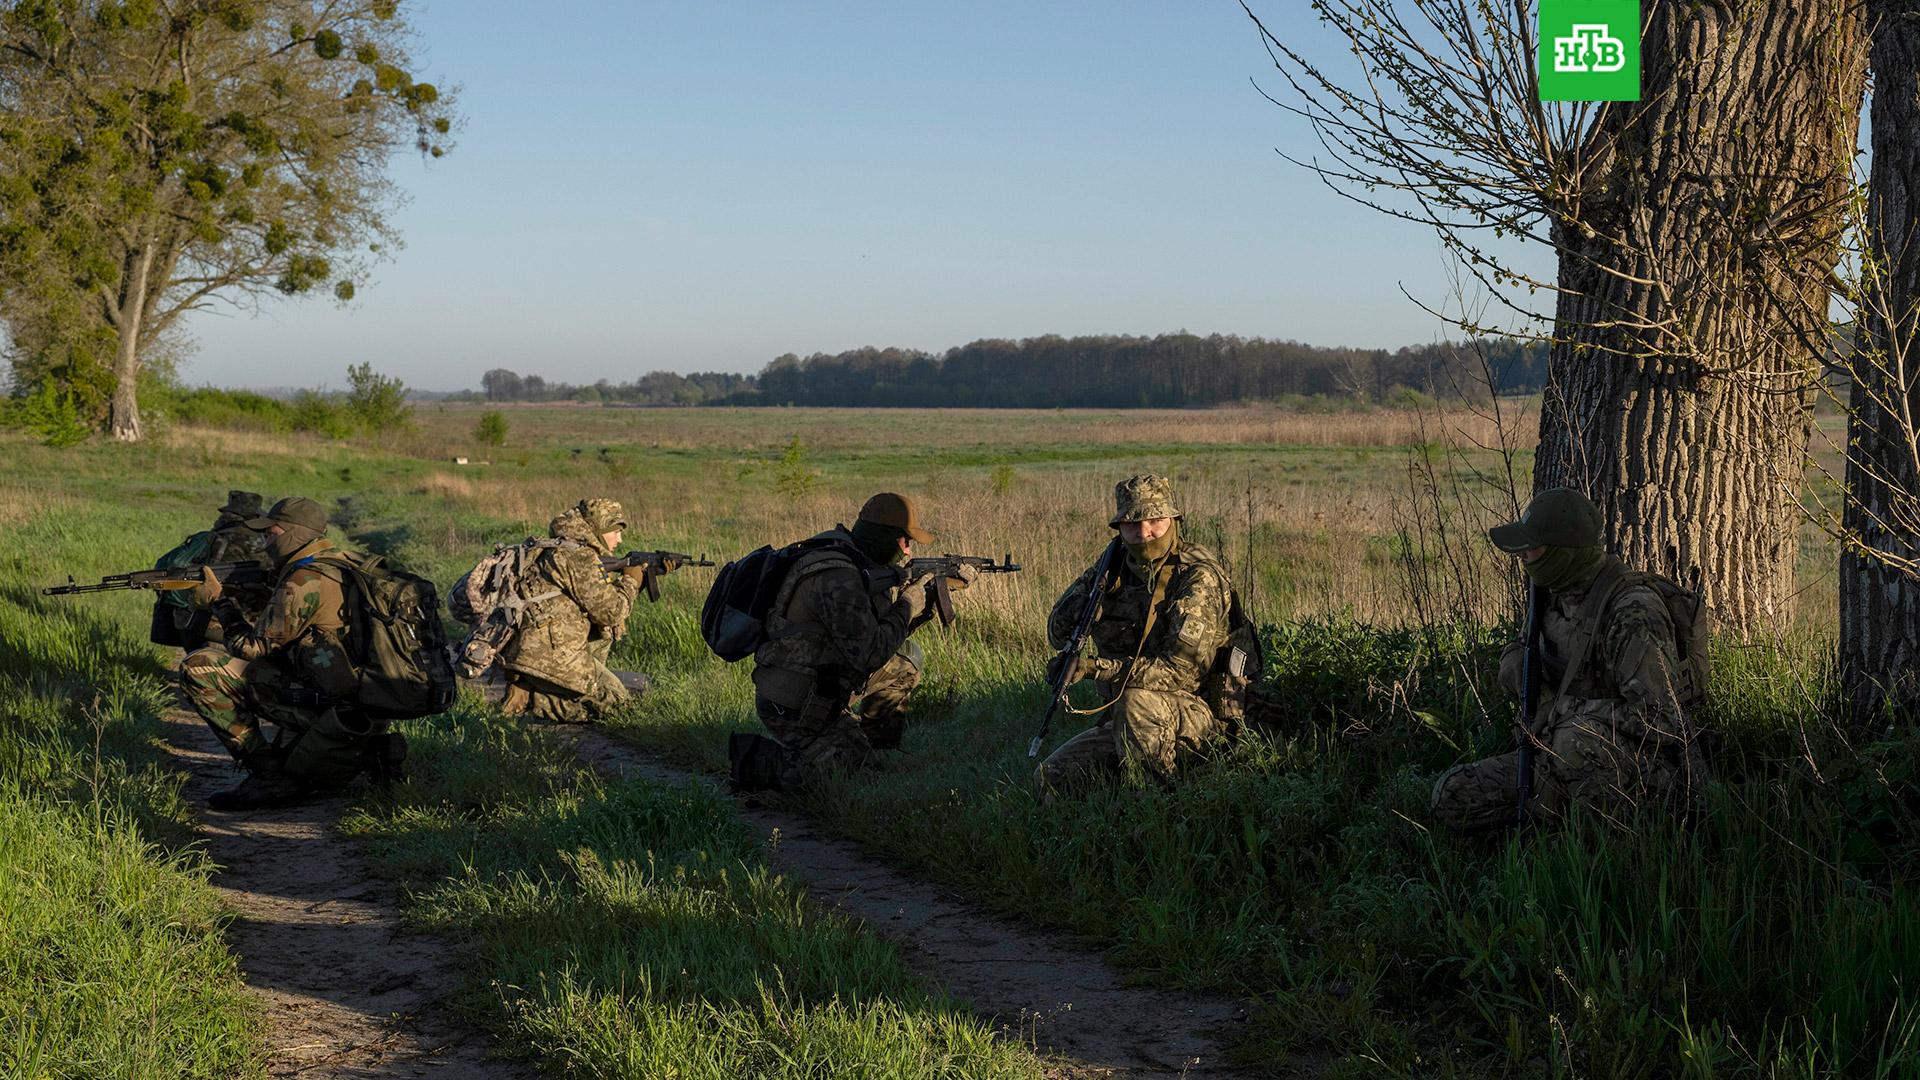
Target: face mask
{"points": [[1563, 568], [291, 539], [1143, 559]]}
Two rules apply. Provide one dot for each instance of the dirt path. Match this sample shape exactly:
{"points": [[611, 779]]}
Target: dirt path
{"points": [[1061, 1001], [349, 991]]}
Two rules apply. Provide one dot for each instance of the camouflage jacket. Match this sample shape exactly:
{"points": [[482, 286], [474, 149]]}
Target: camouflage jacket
{"points": [[304, 624], [1187, 632], [833, 621], [585, 604], [1627, 677]]}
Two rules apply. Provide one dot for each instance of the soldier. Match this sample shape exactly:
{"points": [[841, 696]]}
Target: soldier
{"points": [[293, 667], [838, 630], [230, 540], [557, 663], [1615, 735], [1156, 636]]}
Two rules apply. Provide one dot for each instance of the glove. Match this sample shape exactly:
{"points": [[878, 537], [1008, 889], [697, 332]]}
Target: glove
{"points": [[916, 595], [1079, 667], [205, 593], [962, 576], [636, 571], [668, 564]]}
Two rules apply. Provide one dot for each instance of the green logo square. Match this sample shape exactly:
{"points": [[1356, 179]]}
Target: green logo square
{"points": [[1589, 50]]}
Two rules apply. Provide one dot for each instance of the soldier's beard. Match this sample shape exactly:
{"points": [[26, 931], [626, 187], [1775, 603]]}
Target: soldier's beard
{"points": [[1144, 559], [291, 539]]}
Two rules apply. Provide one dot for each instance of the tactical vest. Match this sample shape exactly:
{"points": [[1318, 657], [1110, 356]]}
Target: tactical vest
{"points": [[1567, 648]]}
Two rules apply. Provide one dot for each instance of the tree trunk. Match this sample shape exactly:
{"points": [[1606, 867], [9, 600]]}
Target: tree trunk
{"points": [[1694, 266], [1880, 604], [124, 419]]}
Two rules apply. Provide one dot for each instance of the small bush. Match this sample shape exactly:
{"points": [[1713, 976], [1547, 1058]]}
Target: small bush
{"points": [[491, 429], [376, 403], [314, 412], [52, 416]]}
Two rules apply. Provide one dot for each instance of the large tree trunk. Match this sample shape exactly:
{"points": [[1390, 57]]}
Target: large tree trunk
{"points": [[1879, 603], [130, 320], [1695, 265]]}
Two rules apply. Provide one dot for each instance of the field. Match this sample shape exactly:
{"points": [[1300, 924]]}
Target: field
{"points": [[1296, 871]]}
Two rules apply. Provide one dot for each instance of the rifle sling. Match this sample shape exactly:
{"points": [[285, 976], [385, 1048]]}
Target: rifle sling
{"points": [[1162, 579]]}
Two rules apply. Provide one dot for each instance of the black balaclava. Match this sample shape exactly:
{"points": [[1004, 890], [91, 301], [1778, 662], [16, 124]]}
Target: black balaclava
{"points": [[879, 543]]}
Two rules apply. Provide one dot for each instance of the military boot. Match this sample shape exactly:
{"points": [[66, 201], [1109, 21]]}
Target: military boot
{"points": [[268, 783], [384, 758], [756, 763]]}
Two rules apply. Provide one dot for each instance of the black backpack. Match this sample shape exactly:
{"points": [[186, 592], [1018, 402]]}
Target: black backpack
{"points": [[393, 626], [734, 619]]}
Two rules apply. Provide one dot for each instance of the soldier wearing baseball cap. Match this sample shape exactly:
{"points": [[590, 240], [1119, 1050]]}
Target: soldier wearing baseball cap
{"points": [[838, 632], [292, 666], [1611, 730], [1159, 635]]}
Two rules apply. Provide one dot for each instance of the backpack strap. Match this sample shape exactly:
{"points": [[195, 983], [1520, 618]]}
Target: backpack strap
{"points": [[1599, 595], [826, 554]]}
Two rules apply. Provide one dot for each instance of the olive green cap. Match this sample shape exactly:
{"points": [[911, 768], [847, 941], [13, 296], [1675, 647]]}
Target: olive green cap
{"points": [[293, 510], [1142, 498], [1557, 517], [896, 512]]}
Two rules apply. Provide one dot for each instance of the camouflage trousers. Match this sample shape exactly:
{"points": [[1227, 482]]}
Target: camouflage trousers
{"points": [[843, 737], [234, 696], [553, 704], [1145, 729], [1583, 764]]}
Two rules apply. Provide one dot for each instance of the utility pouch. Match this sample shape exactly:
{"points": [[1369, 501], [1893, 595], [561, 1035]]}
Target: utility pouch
{"points": [[328, 752], [784, 687]]}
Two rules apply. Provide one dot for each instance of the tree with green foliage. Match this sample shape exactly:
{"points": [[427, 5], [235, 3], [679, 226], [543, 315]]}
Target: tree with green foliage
{"points": [[376, 402], [490, 429], [157, 156]]}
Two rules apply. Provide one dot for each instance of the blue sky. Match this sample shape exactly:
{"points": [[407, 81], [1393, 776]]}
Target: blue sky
{"points": [[703, 186]]}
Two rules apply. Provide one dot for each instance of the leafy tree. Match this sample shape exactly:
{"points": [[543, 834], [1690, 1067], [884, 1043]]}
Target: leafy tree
{"points": [[376, 403], [158, 156], [491, 429]]}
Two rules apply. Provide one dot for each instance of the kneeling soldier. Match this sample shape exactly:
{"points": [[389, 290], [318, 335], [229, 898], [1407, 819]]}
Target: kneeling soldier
{"points": [[557, 662], [1156, 636], [1611, 731], [838, 630], [293, 667]]}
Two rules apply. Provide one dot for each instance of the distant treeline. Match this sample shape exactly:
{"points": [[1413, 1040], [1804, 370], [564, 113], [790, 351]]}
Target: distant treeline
{"points": [[1052, 371]]}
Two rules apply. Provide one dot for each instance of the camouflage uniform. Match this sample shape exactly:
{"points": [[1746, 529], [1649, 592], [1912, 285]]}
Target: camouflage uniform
{"points": [[298, 648], [837, 631], [558, 660], [1180, 604], [230, 540], [1619, 736]]}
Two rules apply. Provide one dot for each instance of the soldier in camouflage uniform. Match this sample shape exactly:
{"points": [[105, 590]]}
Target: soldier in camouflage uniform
{"points": [[293, 667], [230, 540], [1618, 737], [1155, 637], [838, 631], [557, 663]]}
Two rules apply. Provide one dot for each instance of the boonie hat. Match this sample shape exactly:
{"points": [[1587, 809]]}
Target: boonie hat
{"points": [[896, 511], [1557, 517], [293, 510], [242, 504], [1142, 498]]}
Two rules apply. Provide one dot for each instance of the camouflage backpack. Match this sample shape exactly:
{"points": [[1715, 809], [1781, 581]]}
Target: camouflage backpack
{"points": [[394, 637], [1686, 609], [488, 599]]}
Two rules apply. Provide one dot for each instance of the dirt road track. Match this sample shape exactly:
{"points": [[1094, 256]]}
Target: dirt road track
{"points": [[349, 991], [1064, 1002]]}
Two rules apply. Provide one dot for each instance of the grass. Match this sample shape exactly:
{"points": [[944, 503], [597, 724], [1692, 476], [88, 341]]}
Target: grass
{"points": [[1771, 938]]}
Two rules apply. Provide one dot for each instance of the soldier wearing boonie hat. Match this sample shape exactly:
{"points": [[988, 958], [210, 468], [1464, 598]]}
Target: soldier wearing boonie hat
{"points": [[1611, 731], [1157, 633]]}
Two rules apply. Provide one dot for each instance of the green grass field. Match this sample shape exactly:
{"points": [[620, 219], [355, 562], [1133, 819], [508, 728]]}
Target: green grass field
{"points": [[1775, 937]]}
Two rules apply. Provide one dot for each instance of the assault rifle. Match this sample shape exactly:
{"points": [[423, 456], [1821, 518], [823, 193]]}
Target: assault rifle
{"points": [[169, 579], [1103, 572], [656, 562], [1529, 696], [944, 569]]}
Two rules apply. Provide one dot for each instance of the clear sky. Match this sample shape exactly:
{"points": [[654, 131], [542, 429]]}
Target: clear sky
{"points": [[702, 186]]}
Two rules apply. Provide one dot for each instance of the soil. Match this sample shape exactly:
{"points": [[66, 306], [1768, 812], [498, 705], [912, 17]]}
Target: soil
{"points": [[347, 990], [1066, 1003]]}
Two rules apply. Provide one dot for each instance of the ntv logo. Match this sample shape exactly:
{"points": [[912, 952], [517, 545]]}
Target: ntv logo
{"points": [[1589, 50]]}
